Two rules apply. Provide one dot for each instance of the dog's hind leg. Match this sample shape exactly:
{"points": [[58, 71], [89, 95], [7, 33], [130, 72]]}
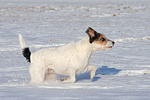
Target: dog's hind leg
{"points": [[37, 74], [72, 77], [93, 69], [50, 75]]}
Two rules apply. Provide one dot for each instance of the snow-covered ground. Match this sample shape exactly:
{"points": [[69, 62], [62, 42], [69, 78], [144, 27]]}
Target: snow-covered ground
{"points": [[123, 73]]}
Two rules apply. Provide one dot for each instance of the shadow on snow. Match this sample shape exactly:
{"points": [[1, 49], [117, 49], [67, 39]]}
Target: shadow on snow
{"points": [[104, 70]]}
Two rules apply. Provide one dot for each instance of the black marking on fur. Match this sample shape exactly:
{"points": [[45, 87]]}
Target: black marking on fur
{"points": [[26, 53], [95, 38], [113, 42]]}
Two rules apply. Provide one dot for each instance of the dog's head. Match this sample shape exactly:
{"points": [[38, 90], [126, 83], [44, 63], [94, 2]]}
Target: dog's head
{"points": [[99, 40]]}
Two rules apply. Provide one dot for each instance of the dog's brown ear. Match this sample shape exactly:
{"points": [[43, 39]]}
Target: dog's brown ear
{"points": [[92, 34]]}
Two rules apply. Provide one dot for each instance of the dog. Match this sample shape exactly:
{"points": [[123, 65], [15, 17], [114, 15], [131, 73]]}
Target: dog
{"points": [[69, 59]]}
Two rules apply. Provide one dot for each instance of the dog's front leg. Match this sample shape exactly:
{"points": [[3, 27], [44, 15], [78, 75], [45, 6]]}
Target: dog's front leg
{"points": [[93, 69], [72, 77]]}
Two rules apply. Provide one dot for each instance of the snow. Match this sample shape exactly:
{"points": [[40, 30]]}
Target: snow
{"points": [[123, 73]]}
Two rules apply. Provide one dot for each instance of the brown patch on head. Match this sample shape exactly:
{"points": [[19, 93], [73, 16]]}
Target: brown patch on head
{"points": [[102, 40]]}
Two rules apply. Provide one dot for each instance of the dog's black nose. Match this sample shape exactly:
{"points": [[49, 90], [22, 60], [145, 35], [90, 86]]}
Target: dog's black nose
{"points": [[113, 42]]}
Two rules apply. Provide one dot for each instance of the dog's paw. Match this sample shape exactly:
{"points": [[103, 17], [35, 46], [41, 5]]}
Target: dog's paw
{"points": [[64, 79], [92, 74], [68, 80]]}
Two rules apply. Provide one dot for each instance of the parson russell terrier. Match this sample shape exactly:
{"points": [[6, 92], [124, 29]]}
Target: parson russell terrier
{"points": [[69, 59]]}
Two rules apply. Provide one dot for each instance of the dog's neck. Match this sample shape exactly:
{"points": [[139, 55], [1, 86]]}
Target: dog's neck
{"points": [[84, 46]]}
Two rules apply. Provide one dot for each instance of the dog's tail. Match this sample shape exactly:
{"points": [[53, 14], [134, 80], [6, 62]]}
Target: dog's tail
{"points": [[25, 50]]}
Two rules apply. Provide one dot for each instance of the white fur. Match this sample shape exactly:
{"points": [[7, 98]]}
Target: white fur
{"points": [[68, 60]]}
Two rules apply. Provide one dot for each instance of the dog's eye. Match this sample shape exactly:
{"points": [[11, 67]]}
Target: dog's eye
{"points": [[102, 39]]}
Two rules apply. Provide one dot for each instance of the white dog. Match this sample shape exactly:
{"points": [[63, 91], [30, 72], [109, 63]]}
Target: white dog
{"points": [[68, 60]]}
